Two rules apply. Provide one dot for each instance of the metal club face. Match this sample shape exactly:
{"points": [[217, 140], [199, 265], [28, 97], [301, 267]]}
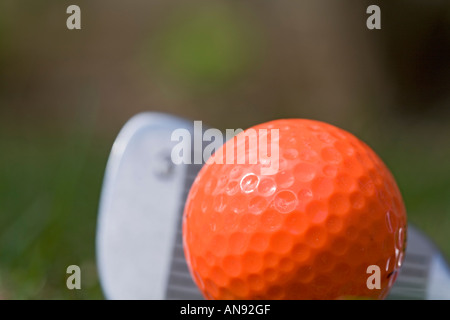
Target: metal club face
{"points": [[424, 275], [139, 249], [139, 242]]}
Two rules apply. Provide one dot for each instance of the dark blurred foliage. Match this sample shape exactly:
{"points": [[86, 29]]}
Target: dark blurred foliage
{"points": [[418, 55]]}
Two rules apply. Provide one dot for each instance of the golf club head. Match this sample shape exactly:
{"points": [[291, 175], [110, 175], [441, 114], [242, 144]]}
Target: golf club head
{"points": [[424, 275], [139, 242]]}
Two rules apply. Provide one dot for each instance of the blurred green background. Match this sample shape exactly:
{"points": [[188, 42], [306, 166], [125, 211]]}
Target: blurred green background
{"points": [[64, 95]]}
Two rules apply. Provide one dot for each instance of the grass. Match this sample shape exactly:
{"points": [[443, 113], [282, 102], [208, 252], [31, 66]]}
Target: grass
{"points": [[50, 185]]}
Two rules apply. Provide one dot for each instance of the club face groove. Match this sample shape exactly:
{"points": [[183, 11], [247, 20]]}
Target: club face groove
{"points": [[180, 284]]}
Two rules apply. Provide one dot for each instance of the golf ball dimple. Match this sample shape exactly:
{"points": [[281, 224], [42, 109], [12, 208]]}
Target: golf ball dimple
{"points": [[309, 230]]}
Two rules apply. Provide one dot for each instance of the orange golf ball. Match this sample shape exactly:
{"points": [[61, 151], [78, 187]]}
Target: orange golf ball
{"points": [[328, 223]]}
